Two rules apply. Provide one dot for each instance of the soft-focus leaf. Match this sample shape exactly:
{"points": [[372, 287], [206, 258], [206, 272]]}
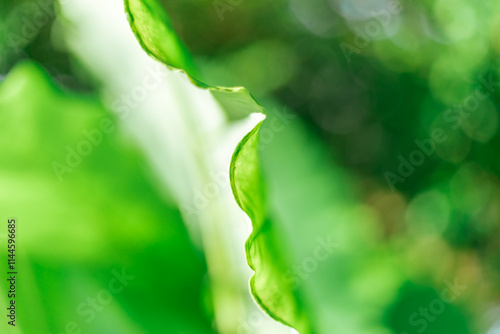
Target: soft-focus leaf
{"points": [[79, 224]]}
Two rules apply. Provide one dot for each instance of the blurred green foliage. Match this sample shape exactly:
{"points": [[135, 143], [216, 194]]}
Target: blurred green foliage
{"points": [[96, 219]]}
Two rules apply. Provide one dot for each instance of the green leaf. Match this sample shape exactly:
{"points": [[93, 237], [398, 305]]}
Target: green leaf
{"points": [[153, 29], [302, 207], [245, 176], [248, 189], [314, 249], [287, 218]]}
